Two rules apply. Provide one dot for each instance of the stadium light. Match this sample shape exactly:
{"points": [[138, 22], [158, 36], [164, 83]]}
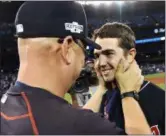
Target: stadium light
{"points": [[162, 38], [120, 3], [131, 1], [156, 31], [95, 3], [87, 48], [82, 2], [150, 40], [107, 2]]}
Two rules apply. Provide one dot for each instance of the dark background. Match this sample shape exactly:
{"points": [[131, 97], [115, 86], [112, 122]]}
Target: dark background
{"points": [[142, 16]]}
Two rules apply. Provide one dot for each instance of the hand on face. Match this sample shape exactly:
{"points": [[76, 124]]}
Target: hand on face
{"points": [[129, 79], [99, 75]]}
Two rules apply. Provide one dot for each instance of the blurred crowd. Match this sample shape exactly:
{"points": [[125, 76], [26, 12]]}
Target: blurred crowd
{"points": [[8, 79], [7, 29], [152, 68]]}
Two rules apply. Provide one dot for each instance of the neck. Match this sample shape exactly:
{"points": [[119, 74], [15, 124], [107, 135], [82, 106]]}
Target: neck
{"points": [[43, 77], [110, 85]]}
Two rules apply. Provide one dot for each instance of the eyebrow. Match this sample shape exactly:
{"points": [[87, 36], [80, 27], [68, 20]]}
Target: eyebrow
{"points": [[104, 51]]}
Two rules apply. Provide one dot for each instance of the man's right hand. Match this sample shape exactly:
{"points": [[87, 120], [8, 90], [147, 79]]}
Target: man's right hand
{"points": [[99, 76], [95, 101]]}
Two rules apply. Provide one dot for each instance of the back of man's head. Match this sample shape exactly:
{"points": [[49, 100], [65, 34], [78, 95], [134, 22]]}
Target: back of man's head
{"points": [[51, 38], [39, 47], [40, 23]]}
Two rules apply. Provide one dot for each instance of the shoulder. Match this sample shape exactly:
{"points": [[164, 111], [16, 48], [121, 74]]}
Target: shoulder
{"points": [[153, 92], [152, 97], [152, 101]]}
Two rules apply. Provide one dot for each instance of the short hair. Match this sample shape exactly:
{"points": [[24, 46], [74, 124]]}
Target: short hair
{"points": [[117, 30]]}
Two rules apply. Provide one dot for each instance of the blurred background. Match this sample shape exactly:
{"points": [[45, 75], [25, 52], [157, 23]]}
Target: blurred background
{"points": [[146, 18]]}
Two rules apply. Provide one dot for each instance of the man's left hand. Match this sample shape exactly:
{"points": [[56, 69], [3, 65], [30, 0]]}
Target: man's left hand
{"points": [[129, 79]]}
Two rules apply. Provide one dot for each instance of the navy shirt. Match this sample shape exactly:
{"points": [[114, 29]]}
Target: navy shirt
{"points": [[27, 110], [151, 100]]}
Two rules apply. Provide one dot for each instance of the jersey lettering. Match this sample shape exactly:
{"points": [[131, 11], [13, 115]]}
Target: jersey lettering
{"points": [[155, 130]]}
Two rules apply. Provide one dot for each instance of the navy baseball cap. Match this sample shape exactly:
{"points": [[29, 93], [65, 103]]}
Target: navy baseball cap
{"points": [[53, 19]]}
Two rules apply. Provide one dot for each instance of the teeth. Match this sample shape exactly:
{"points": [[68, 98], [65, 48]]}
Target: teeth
{"points": [[106, 71]]}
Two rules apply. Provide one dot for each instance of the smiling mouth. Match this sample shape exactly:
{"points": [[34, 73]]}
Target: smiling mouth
{"points": [[106, 71]]}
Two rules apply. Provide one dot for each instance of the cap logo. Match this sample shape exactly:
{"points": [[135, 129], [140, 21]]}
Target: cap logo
{"points": [[19, 28], [74, 27]]}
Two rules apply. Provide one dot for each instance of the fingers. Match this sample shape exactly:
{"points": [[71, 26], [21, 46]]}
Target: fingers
{"points": [[96, 67], [96, 64], [134, 67], [99, 76], [138, 74], [120, 68], [139, 83]]}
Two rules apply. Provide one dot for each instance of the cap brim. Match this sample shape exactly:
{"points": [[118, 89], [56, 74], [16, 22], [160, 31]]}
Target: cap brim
{"points": [[91, 43]]}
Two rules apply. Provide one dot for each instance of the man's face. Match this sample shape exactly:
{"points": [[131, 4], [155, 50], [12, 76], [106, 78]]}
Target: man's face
{"points": [[108, 57]]}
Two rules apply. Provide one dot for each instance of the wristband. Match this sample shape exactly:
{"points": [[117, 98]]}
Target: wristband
{"points": [[133, 94]]}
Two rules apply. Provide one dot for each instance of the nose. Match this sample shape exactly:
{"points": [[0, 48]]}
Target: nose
{"points": [[102, 61]]}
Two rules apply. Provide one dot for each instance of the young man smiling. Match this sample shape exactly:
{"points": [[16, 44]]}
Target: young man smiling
{"points": [[118, 43]]}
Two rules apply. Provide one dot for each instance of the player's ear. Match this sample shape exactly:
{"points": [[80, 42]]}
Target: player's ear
{"points": [[66, 46], [131, 55]]}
